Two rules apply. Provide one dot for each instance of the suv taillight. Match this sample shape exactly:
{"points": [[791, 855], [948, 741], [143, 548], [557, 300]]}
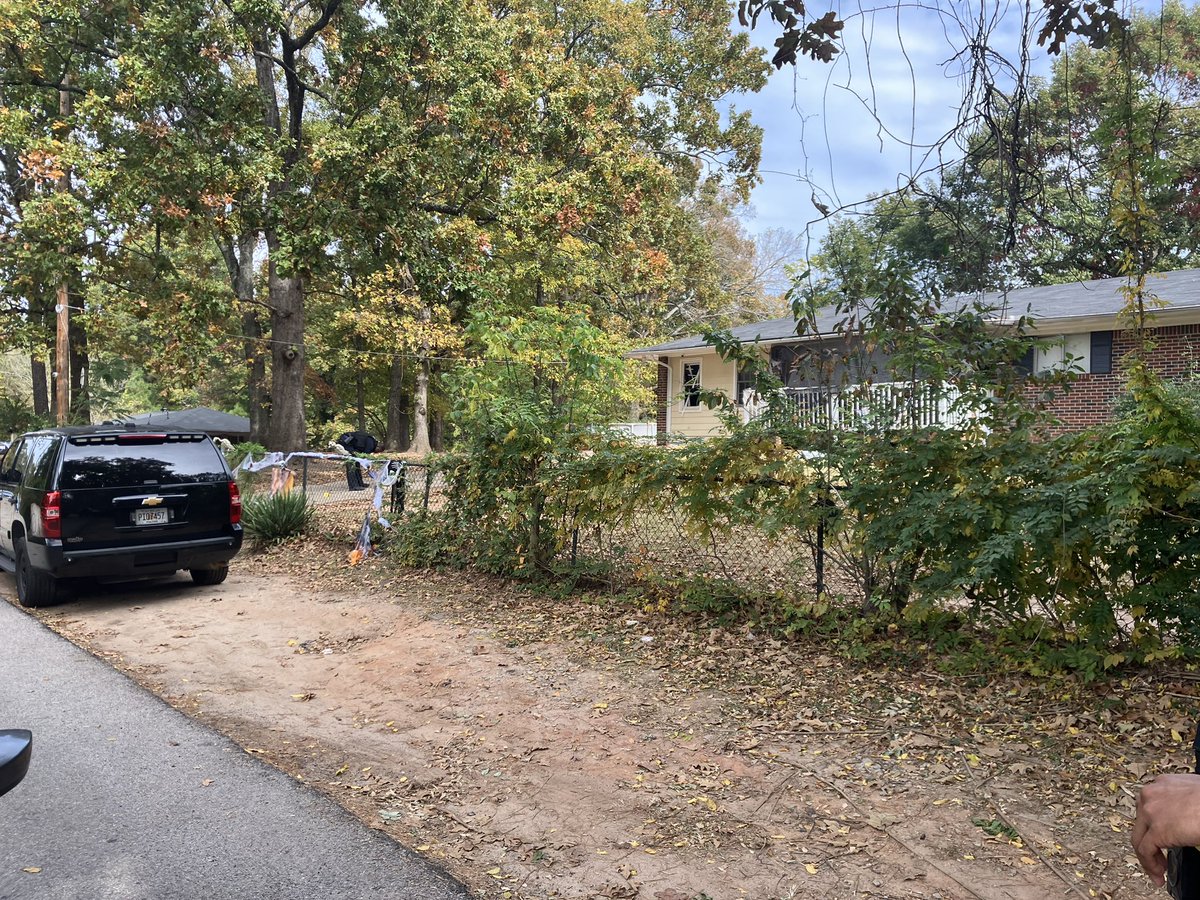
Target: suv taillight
{"points": [[235, 504], [52, 515]]}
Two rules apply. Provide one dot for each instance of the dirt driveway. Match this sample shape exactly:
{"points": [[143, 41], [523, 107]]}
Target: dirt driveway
{"points": [[541, 747]]}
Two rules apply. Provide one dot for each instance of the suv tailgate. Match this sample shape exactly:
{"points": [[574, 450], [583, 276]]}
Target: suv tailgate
{"points": [[136, 489]]}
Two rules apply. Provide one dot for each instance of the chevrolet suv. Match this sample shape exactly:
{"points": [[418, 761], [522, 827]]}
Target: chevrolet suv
{"points": [[115, 503]]}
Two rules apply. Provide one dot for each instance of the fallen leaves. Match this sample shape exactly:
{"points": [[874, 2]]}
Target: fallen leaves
{"points": [[676, 762]]}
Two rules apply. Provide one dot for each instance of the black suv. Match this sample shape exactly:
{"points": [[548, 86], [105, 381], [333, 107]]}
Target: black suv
{"points": [[115, 503]]}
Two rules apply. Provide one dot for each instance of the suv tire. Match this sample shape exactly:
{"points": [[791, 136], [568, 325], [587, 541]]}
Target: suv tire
{"points": [[210, 576], [34, 588]]}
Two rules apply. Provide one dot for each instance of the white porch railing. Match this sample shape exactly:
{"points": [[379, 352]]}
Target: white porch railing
{"points": [[893, 404]]}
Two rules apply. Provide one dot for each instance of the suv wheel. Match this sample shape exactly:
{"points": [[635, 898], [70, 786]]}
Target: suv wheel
{"points": [[210, 576], [34, 588]]}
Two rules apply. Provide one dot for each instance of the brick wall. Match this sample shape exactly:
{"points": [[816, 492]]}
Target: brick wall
{"points": [[661, 399], [1090, 398]]}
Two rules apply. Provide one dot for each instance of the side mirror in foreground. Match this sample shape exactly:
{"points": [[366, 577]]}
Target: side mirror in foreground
{"points": [[15, 748]]}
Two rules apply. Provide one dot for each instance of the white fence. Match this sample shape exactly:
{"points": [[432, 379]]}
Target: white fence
{"points": [[892, 404], [643, 431]]}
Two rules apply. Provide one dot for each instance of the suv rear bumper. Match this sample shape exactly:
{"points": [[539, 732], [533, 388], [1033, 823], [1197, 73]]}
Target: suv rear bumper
{"points": [[127, 563]]}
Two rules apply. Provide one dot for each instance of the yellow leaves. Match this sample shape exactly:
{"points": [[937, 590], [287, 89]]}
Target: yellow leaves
{"points": [[810, 868], [704, 801]]}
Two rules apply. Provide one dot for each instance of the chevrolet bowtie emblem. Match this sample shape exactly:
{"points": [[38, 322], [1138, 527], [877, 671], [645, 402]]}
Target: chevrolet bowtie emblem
{"points": [[152, 501]]}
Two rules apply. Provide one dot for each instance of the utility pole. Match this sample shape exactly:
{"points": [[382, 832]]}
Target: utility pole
{"points": [[62, 344], [62, 355]]}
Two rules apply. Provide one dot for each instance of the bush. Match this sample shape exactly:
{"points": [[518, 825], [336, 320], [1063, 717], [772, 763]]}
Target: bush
{"points": [[239, 452], [278, 517], [17, 416]]}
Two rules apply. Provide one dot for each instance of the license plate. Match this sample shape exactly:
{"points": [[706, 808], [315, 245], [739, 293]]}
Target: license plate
{"points": [[150, 517]]}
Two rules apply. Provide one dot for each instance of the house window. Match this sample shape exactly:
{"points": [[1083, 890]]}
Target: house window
{"points": [[691, 385], [1025, 362], [1051, 357], [745, 382], [1102, 348]]}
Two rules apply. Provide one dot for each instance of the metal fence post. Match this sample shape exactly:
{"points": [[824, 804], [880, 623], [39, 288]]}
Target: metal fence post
{"points": [[304, 475], [821, 554], [399, 489], [428, 485]]}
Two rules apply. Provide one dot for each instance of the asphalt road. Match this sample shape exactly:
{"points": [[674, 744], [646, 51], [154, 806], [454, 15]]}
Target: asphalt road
{"points": [[128, 798]]}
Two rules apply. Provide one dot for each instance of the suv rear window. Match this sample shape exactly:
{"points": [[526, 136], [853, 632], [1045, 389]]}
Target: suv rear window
{"points": [[111, 464]]}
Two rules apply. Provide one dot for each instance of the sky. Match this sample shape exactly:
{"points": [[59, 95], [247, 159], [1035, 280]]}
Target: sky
{"points": [[865, 123]]}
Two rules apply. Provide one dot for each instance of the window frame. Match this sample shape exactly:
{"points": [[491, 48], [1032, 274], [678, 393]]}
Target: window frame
{"points": [[1104, 341], [690, 388]]}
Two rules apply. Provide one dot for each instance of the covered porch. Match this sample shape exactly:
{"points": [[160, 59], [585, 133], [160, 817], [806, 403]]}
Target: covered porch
{"points": [[871, 406]]}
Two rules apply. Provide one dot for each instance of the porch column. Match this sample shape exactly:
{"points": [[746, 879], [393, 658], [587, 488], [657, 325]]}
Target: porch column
{"points": [[661, 399]]}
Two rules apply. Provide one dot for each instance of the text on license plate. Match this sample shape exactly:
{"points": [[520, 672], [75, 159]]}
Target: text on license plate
{"points": [[150, 517]]}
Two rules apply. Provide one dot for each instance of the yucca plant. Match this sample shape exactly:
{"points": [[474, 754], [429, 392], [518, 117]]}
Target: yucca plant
{"points": [[274, 518]]}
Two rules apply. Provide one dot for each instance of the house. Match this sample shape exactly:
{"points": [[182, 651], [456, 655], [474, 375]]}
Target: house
{"points": [[1076, 325], [200, 418]]}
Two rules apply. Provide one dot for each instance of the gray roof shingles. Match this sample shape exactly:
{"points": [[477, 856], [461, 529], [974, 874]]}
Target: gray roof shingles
{"points": [[1101, 297], [201, 418]]}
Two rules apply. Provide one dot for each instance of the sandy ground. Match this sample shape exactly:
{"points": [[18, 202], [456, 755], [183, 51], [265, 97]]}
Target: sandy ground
{"points": [[604, 752]]}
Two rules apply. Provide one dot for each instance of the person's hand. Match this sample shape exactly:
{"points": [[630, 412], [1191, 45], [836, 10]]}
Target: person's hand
{"points": [[1168, 815]]}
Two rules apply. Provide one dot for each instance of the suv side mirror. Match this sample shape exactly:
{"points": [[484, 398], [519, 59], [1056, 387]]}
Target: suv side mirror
{"points": [[16, 746]]}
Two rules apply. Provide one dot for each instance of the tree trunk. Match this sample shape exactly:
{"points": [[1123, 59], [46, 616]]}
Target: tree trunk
{"points": [[19, 190], [420, 441], [258, 399], [41, 399], [239, 262], [437, 432], [396, 438], [360, 390], [286, 291], [287, 356]]}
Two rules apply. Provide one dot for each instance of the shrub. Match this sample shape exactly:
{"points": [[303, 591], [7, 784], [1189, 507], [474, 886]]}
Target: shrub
{"points": [[238, 453], [17, 416], [273, 519]]}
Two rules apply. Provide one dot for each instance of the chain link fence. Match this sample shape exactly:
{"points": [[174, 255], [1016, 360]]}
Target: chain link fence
{"points": [[655, 542], [339, 506], [661, 543]]}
